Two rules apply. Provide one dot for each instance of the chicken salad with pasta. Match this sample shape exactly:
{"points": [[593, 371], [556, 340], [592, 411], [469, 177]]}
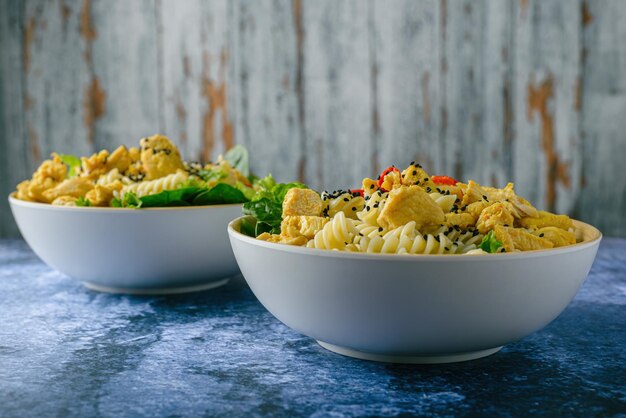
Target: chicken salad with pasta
{"points": [[410, 212]]}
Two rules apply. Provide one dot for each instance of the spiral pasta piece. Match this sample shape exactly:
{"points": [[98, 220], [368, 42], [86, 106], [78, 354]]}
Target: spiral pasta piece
{"points": [[145, 188], [407, 240], [445, 202], [110, 177], [337, 234], [346, 202], [373, 205]]}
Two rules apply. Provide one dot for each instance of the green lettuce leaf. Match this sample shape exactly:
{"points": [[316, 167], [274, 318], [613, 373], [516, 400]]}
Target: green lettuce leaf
{"points": [[267, 212], [222, 193], [82, 202], [248, 192], [129, 200], [266, 183], [237, 157], [248, 228], [185, 196], [489, 243], [167, 198], [266, 205], [72, 162]]}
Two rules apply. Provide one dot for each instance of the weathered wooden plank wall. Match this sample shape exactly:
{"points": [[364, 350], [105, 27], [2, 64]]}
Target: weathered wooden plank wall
{"points": [[329, 91]]}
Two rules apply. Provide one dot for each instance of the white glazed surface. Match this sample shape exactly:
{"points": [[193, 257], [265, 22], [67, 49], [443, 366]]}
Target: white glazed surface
{"points": [[156, 250], [374, 305]]}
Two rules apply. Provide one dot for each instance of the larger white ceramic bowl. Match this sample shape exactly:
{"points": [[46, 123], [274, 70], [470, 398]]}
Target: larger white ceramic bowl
{"points": [[413, 308], [135, 251]]}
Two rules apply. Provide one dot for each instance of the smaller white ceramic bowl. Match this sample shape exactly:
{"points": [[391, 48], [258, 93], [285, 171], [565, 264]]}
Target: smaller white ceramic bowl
{"points": [[413, 308], [134, 251]]}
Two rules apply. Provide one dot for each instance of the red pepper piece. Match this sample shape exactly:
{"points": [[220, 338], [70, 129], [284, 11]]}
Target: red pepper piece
{"points": [[357, 191], [449, 181]]}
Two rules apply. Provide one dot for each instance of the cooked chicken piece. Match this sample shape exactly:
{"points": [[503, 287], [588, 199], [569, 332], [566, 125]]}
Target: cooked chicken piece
{"points": [[302, 202], [462, 220], [495, 214], [279, 239], [100, 195], [307, 226], [414, 175], [472, 192], [75, 187], [54, 169], [517, 239], [476, 208], [135, 154], [22, 191], [521, 206], [392, 180], [407, 204], [94, 166], [159, 157], [369, 186], [454, 190], [48, 175], [544, 219], [557, 236], [120, 159]]}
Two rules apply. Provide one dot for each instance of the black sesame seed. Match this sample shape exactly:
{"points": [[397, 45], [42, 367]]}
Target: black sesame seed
{"points": [[353, 208], [371, 186], [414, 172], [380, 229], [541, 235]]}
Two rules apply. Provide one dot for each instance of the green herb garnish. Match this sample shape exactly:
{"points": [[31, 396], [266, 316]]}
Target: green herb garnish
{"points": [[489, 243], [81, 201], [129, 200]]}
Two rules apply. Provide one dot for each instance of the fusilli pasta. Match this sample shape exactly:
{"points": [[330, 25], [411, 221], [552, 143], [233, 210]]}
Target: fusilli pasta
{"points": [[346, 202], [146, 188], [337, 234]]}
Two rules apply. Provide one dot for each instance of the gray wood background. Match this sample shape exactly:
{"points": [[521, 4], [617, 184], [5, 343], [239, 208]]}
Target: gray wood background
{"points": [[330, 91]]}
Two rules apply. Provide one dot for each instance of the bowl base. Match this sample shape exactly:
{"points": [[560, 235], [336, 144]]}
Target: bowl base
{"points": [[156, 291], [426, 359]]}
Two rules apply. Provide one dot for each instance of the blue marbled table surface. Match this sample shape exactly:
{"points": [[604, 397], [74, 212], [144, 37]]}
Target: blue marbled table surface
{"points": [[69, 351]]}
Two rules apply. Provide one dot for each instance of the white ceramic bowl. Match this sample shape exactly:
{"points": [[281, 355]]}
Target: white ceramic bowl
{"points": [[135, 251], [413, 308]]}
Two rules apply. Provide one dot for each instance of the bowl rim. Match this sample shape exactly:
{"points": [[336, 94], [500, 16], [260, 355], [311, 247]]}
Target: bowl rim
{"points": [[98, 209], [594, 240]]}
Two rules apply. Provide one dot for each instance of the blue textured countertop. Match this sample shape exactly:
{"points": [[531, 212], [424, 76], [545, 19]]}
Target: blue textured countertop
{"points": [[65, 350]]}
